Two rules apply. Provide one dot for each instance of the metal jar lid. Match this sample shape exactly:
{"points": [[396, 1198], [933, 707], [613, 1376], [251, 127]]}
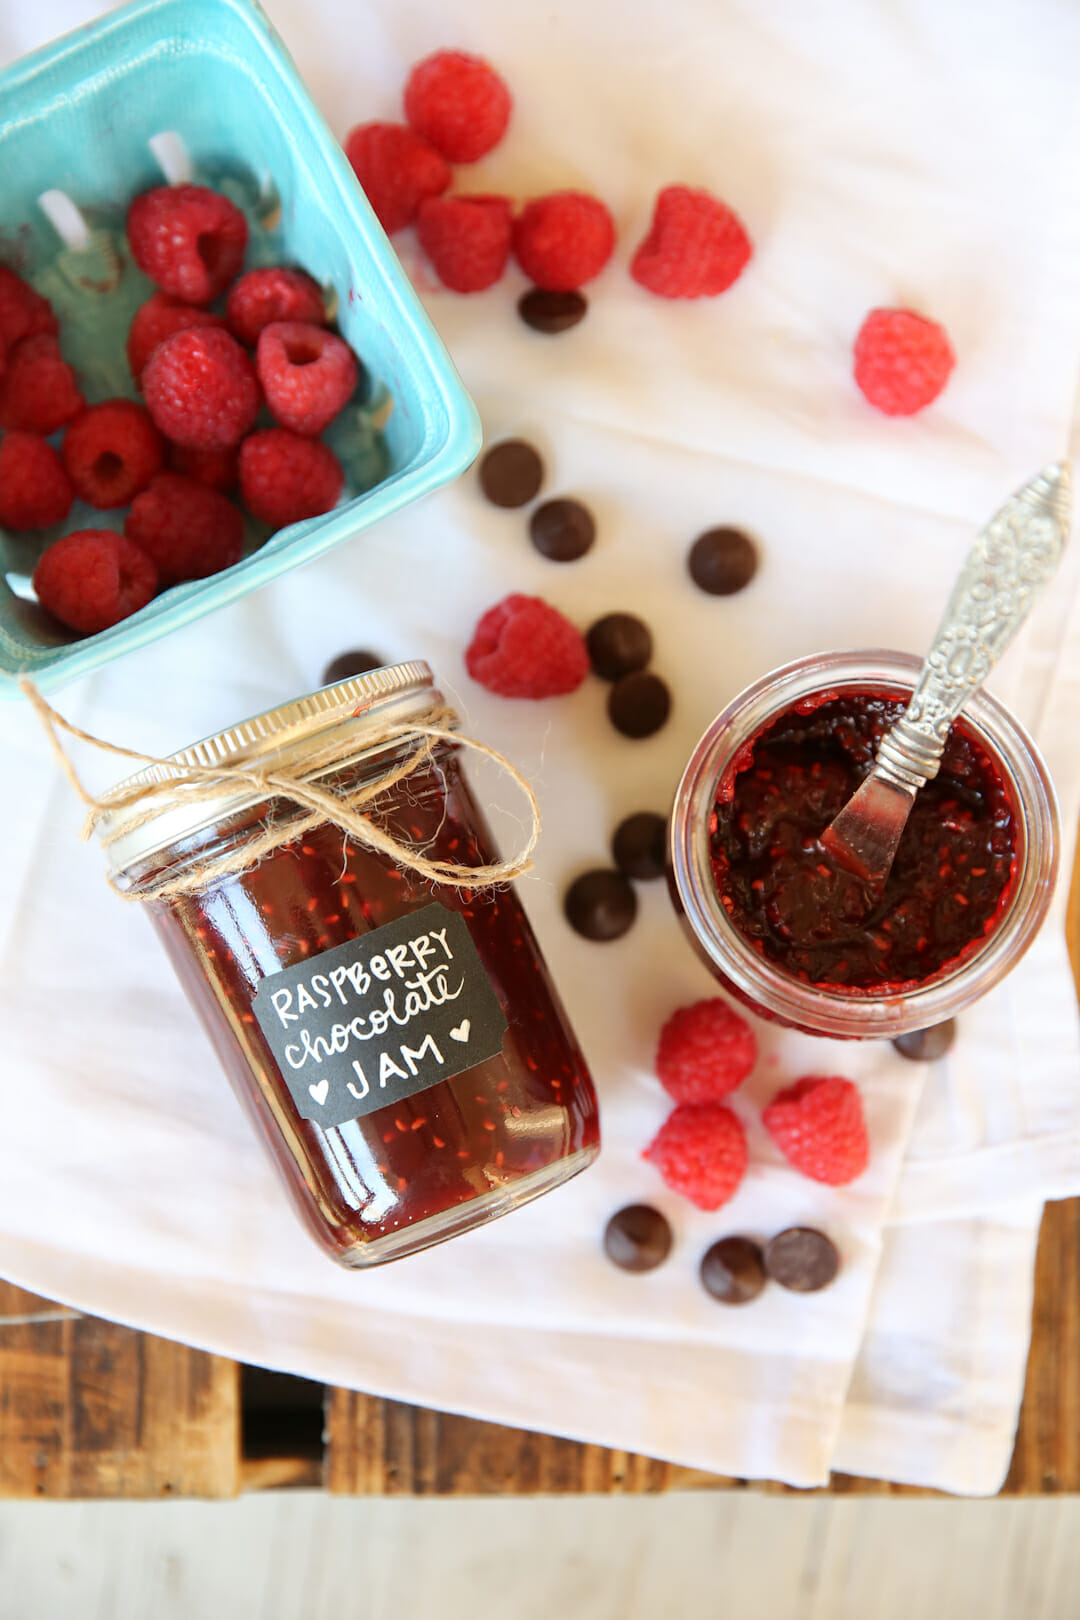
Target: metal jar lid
{"points": [[279, 738]]}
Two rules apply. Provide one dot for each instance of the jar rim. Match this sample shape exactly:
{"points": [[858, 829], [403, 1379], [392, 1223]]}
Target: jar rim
{"points": [[829, 1010]]}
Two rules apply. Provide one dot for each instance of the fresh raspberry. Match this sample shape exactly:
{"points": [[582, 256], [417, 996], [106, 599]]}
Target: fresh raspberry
{"points": [[276, 294], [216, 469], [308, 375], [34, 488], [902, 360], [200, 388], [696, 246], [38, 391], [189, 240], [111, 452], [397, 169], [458, 103], [23, 312], [705, 1051], [524, 648], [467, 239], [187, 530], [700, 1150], [157, 319], [93, 578], [563, 240], [818, 1126], [284, 478]]}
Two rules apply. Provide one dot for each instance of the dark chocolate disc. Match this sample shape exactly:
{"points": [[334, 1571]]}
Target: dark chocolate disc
{"points": [[562, 530], [722, 561], [347, 664], [733, 1271], [802, 1259], [551, 312], [637, 1238], [600, 904], [640, 845], [639, 704], [618, 644], [511, 473], [926, 1045]]}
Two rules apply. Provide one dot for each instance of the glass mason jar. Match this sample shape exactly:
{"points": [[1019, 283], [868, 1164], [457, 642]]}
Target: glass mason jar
{"points": [[397, 1043], [785, 997]]}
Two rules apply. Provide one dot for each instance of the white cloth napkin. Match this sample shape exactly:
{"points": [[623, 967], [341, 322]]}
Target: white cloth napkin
{"points": [[869, 153]]}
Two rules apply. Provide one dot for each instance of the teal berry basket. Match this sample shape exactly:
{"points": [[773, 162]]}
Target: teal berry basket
{"points": [[167, 90]]}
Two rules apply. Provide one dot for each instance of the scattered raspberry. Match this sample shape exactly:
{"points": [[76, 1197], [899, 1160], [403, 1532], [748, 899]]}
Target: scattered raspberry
{"points": [[705, 1051], [696, 246], [307, 375], [524, 648], [277, 294], [111, 452], [818, 1126], [216, 469], [34, 488], [189, 240], [157, 319], [38, 391], [187, 530], [23, 312], [458, 103], [200, 389], [700, 1150], [284, 478], [563, 240], [397, 169], [93, 578], [467, 239], [902, 360]]}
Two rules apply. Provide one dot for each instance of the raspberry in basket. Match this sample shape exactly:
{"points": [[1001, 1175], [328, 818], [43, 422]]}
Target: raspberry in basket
{"points": [[93, 578], [902, 360], [467, 239], [187, 530], [273, 294], [696, 246], [35, 491], [563, 240], [308, 375], [111, 452], [217, 469], [458, 103], [23, 312], [705, 1051], [700, 1150], [524, 648], [284, 478], [200, 389], [157, 319], [189, 240], [397, 169], [818, 1126], [38, 391]]}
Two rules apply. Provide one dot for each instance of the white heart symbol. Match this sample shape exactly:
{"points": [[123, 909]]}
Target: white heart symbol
{"points": [[462, 1031], [319, 1091]]}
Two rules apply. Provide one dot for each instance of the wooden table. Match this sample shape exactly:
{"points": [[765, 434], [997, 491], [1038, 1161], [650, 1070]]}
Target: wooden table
{"points": [[89, 1409]]}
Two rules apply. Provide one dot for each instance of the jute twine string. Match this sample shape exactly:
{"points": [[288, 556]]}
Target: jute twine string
{"points": [[192, 784]]}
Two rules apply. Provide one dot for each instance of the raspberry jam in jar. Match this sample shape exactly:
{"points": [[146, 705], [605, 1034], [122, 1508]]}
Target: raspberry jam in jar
{"points": [[395, 1038], [805, 942]]}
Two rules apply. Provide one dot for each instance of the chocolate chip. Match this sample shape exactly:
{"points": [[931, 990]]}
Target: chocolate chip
{"points": [[637, 1238], [639, 704], [551, 312], [562, 530], [733, 1271], [722, 561], [802, 1259], [926, 1045], [640, 845], [348, 664], [618, 644], [600, 904], [511, 473]]}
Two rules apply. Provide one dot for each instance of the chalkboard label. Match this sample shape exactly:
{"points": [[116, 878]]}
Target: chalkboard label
{"points": [[382, 1017]]}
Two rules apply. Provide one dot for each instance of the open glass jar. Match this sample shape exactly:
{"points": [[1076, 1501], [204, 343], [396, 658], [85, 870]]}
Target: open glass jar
{"points": [[397, 1042], [1000, 793]]}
